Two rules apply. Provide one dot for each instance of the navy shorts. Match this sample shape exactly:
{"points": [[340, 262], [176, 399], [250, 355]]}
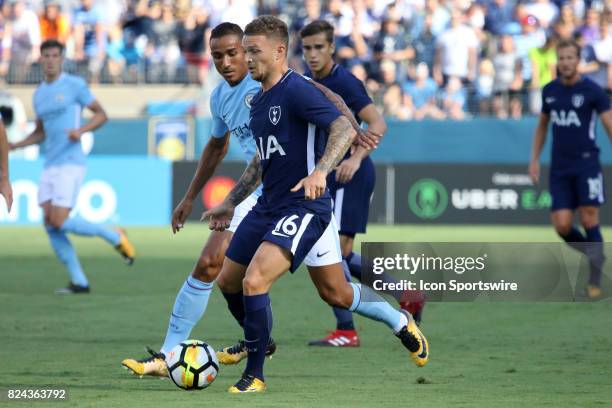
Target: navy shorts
{"points": [[352, 200], [296, 228], [573, 188]]}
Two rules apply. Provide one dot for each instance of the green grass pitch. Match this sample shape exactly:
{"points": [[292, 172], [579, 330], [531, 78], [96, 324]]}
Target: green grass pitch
{"points": [[482, 354]]}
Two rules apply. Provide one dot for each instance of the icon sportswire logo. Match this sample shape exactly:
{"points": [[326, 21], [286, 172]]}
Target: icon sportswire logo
{"points": [[427, 198]]}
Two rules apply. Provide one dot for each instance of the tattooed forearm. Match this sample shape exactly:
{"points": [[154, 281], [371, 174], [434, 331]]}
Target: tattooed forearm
{"points": [[249, 181], [338, 102], [340, 138]]}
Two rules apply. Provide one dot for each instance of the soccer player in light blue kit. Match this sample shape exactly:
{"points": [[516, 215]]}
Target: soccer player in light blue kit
{"points": [[58, 103], [230, 105]]}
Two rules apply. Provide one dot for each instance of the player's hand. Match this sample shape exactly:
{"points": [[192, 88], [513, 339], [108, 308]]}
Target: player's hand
{"points": [[367, 139], [180, 214], [534, 171], [12, 146], [219, 217], [313, 185], [347, 169], [74, 134], [7, 192]]}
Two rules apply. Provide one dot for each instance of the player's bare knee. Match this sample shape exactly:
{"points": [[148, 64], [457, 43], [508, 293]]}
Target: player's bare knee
{"points": [[563, 229], [207, 268], [589, 217], [55, 222], [227, 285], [253, 282], [335, 297], [251, 285]]}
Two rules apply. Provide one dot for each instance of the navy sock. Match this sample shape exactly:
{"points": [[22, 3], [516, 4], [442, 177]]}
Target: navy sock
{"points": [[594, 250], [573, 237], [235, 304], [257, 329], [341, 319], [353, 261]]}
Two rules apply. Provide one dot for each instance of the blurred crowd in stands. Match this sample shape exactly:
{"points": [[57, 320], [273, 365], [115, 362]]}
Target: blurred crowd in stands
{"points": [[419, 59]]}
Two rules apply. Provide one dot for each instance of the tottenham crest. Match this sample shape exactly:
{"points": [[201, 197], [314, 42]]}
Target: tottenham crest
{"points": [[577, 100], [274, 114]]}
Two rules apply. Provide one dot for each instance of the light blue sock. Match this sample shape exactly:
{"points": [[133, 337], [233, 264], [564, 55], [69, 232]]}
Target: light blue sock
{"points": [[188, 309], [79, 226], [376, 308], [67, 255]]}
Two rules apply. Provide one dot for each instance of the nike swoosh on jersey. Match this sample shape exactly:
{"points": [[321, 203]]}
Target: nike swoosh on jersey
{"points": [[278, 234], [323, 254], [550, 100]]}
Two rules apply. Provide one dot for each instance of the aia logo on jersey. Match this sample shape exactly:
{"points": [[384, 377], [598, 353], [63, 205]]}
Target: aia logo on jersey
{"points": [[577, 100], [565, 119], [274, 114], [272, 147]]}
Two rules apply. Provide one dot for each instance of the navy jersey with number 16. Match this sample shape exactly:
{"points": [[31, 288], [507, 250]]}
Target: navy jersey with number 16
{"points": [[289, 123]]}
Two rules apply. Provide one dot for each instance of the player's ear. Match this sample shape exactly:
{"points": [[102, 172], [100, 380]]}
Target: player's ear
{"points": [[281, 51], [332, 48]]}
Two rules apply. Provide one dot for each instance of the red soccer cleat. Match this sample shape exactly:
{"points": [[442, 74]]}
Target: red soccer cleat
{"points": [[413, 301], [338, 338]]}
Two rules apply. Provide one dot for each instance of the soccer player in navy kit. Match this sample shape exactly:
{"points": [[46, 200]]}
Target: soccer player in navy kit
{"points": [[352, 183], [300, 137], [572, 103], [230, 105]]}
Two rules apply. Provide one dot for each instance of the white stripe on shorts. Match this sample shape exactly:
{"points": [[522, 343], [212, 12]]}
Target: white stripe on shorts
{"points": [[338, 206], [298, 236]]}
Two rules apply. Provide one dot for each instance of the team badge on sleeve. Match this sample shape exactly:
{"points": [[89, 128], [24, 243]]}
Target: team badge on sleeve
{"points": [[274, 114], [248, 99]]}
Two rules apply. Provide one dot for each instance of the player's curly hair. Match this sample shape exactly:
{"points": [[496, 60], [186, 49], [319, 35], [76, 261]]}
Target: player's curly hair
{"points": [[226, 28], [317, 27], [269, 26]]}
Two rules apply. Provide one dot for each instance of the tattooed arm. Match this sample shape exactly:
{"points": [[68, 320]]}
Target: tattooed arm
{"points": [[219, 217], [341, 136], [249, 181], [367, 138]]}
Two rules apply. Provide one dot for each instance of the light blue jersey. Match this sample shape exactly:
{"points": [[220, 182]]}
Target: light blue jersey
{"points": [[230, 107], [59, 105]]}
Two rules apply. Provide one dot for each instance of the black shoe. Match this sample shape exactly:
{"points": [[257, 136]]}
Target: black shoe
{"points": [[72, 289]]}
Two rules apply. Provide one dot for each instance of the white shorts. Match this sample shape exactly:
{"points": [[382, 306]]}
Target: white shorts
{"points": [[327, 249], [242, 210], [61, 185], [325, 252]]}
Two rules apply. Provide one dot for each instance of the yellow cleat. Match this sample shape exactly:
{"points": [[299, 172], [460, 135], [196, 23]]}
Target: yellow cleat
{"points": [[154, 366], [247, 383], [413, 339], [232, 355], [238, 352], [593, 292], [125, 247]]}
